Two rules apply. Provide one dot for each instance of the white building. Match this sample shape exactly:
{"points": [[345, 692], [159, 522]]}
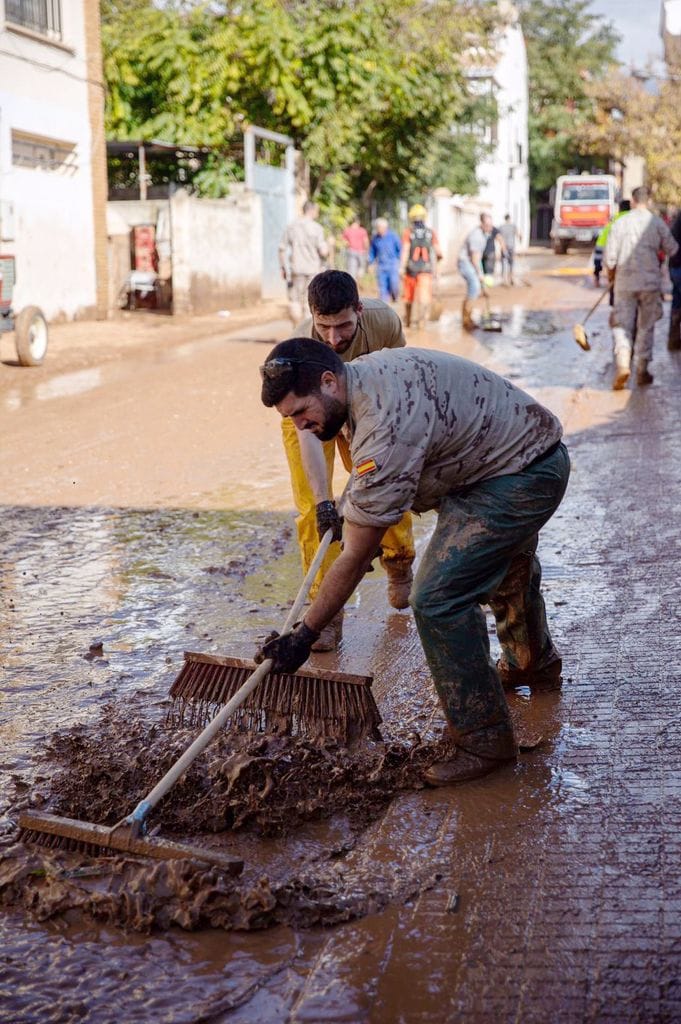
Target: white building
{"points": [[52, 155], [670, 30], [504, 175]]}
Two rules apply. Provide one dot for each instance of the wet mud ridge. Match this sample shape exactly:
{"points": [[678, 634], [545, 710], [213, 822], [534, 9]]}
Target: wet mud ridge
{"points": [[243, 786]]}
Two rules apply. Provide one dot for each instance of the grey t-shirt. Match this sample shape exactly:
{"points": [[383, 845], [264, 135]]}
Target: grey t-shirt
{"points": [[423, 424], [476, 240], [509, 233], [305, 245]]}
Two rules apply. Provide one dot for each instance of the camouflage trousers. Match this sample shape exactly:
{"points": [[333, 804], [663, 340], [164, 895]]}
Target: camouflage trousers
{"points": [[633, 319], [483, 552]]}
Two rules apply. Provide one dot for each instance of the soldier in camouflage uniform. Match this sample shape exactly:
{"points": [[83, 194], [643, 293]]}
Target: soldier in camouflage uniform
{"points": [[429, 430]]}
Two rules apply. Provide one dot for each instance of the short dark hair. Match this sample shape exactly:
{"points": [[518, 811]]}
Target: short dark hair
{"points": [[331, 291], [641, 194], [309, 360]]}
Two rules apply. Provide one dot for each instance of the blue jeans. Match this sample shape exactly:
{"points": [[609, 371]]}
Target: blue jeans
{"points": [[675, 274], [469, 274], [483, 552], [388, 283]]}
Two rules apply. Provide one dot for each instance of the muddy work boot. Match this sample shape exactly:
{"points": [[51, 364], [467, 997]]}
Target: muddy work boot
{"points": [[643, 375], [475, 754], [400, 579], [467, 321], [622, 374], [547, 678], [331, 635]]}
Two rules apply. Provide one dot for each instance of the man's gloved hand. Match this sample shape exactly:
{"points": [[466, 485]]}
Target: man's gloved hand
{"points": [[289, 651], [328, 519]]}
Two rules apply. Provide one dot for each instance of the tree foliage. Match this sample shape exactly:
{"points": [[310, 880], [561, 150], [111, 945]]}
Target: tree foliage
{"points": [[630, 119], [567, 48], [368, 89]]}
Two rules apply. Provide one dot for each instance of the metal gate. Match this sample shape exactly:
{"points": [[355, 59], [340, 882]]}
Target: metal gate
{"points": [[276, 187]]}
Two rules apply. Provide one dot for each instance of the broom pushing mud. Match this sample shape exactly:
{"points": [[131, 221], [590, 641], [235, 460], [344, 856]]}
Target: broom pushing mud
{"points": [[321, 700]]}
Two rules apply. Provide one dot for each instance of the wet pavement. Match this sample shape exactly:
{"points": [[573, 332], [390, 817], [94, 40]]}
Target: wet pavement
{"points": [[547, 892]]}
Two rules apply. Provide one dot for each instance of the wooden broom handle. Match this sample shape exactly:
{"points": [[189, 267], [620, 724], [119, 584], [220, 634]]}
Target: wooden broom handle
{"points": [[136, 819]]}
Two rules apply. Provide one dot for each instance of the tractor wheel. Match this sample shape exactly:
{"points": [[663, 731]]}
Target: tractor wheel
{"points": [[30, 333]]}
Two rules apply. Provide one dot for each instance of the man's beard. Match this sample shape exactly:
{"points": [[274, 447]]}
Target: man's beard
{"points": [[335, 415]]}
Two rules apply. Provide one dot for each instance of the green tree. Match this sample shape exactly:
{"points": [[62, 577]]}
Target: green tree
{"points": [[369, 89], [567, 47]]}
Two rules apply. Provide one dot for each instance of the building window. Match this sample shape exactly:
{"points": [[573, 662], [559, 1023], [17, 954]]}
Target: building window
{"points": [[42, 16], [48, 154]]}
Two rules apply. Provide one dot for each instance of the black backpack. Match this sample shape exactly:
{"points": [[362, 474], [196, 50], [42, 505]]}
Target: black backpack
{"points": [[420, 250]]}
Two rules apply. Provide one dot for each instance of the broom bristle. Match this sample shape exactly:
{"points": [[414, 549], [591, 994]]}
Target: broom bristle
{"points": [[56, 833], [312, 704], [580, 337]]}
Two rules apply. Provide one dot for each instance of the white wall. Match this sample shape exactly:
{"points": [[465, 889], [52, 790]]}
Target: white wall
{"points": [[215, 246], [43, 92], [504, 176]]}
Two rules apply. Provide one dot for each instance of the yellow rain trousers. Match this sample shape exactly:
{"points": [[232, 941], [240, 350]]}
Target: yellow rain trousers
{"points": [[397, 544]]}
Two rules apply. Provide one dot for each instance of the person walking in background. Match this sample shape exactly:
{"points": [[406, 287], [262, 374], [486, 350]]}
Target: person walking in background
{"points": [[357, 246], [509, 234], [302, 252], [471, 269], [601, 241], [674, 339], [632, 258], [385, 251], [489, 254], [420, 253]]}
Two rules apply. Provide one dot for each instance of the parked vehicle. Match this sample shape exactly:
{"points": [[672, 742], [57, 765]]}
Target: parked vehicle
{"points": [[584, 204], [29, 325]]}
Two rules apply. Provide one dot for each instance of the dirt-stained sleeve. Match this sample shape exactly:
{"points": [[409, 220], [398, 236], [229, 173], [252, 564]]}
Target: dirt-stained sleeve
{"points": [[385, 477]]}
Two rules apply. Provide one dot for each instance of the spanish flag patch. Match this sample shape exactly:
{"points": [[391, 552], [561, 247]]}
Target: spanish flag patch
{"points": [[366, 466]]}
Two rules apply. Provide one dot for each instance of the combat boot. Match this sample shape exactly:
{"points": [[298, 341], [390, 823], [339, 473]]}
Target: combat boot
{"points": [[622, 371], [547, 678], [475, 754], [331, 635], [467, 321], [674, 339], [643, 376]]}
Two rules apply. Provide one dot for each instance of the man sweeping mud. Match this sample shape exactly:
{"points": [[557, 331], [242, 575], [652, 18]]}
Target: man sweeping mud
{"points": [[428, 430], [351, 328]]}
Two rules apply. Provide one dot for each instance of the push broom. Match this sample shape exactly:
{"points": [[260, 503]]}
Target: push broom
{"points": [[326, 702], [578, 331]]}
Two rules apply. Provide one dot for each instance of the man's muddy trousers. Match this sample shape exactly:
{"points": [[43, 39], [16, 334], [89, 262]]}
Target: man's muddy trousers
{"points": [[397, 544], [483, 552]]}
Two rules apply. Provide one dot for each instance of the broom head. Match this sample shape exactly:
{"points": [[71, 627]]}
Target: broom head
{"points": [[54, 832], [580, 337], [313, 703]]}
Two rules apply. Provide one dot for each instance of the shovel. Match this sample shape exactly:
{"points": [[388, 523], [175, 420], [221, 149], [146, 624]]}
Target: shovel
{"points": [[578, 331]]}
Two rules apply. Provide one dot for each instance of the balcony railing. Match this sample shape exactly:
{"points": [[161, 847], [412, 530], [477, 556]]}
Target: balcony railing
{"points": [[41, 16]]}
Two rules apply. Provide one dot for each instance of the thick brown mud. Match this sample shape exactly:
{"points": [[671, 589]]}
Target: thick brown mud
{"points": [[548, 891]]}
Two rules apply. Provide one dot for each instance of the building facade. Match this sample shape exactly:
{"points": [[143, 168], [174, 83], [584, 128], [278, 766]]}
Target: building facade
{"points": [[504, 174], [52, 155]]}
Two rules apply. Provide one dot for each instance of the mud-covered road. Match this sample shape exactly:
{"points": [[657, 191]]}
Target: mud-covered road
{"points": [[146, 511]]}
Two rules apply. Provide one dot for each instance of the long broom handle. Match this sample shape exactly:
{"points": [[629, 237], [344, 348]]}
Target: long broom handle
{"points": [[204, 738], [596, 304]]}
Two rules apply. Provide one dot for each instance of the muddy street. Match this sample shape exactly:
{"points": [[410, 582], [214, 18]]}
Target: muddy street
{"points": [[147, 511]]}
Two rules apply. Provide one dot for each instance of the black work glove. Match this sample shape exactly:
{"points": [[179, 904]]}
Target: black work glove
{"points": [[328, 519], [288, 652]]}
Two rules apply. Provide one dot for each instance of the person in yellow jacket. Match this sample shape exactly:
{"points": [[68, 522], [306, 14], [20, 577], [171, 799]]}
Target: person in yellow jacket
{"points": [[352, 328]]}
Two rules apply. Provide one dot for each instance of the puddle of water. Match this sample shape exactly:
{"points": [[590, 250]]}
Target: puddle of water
{"points": [[67, 385]]}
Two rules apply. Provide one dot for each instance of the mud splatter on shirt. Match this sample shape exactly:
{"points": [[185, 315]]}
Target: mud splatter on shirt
{"points": [[434, 423]]}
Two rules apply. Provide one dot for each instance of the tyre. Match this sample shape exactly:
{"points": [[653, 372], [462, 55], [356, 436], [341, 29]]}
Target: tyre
{"points": [[30, 334]]}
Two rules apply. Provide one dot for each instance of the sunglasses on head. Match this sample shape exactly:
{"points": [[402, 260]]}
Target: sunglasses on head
{"points": [[282, 365]]}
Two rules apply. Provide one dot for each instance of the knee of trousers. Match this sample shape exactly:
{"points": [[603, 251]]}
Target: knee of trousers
{"points": [[429, 606]]}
